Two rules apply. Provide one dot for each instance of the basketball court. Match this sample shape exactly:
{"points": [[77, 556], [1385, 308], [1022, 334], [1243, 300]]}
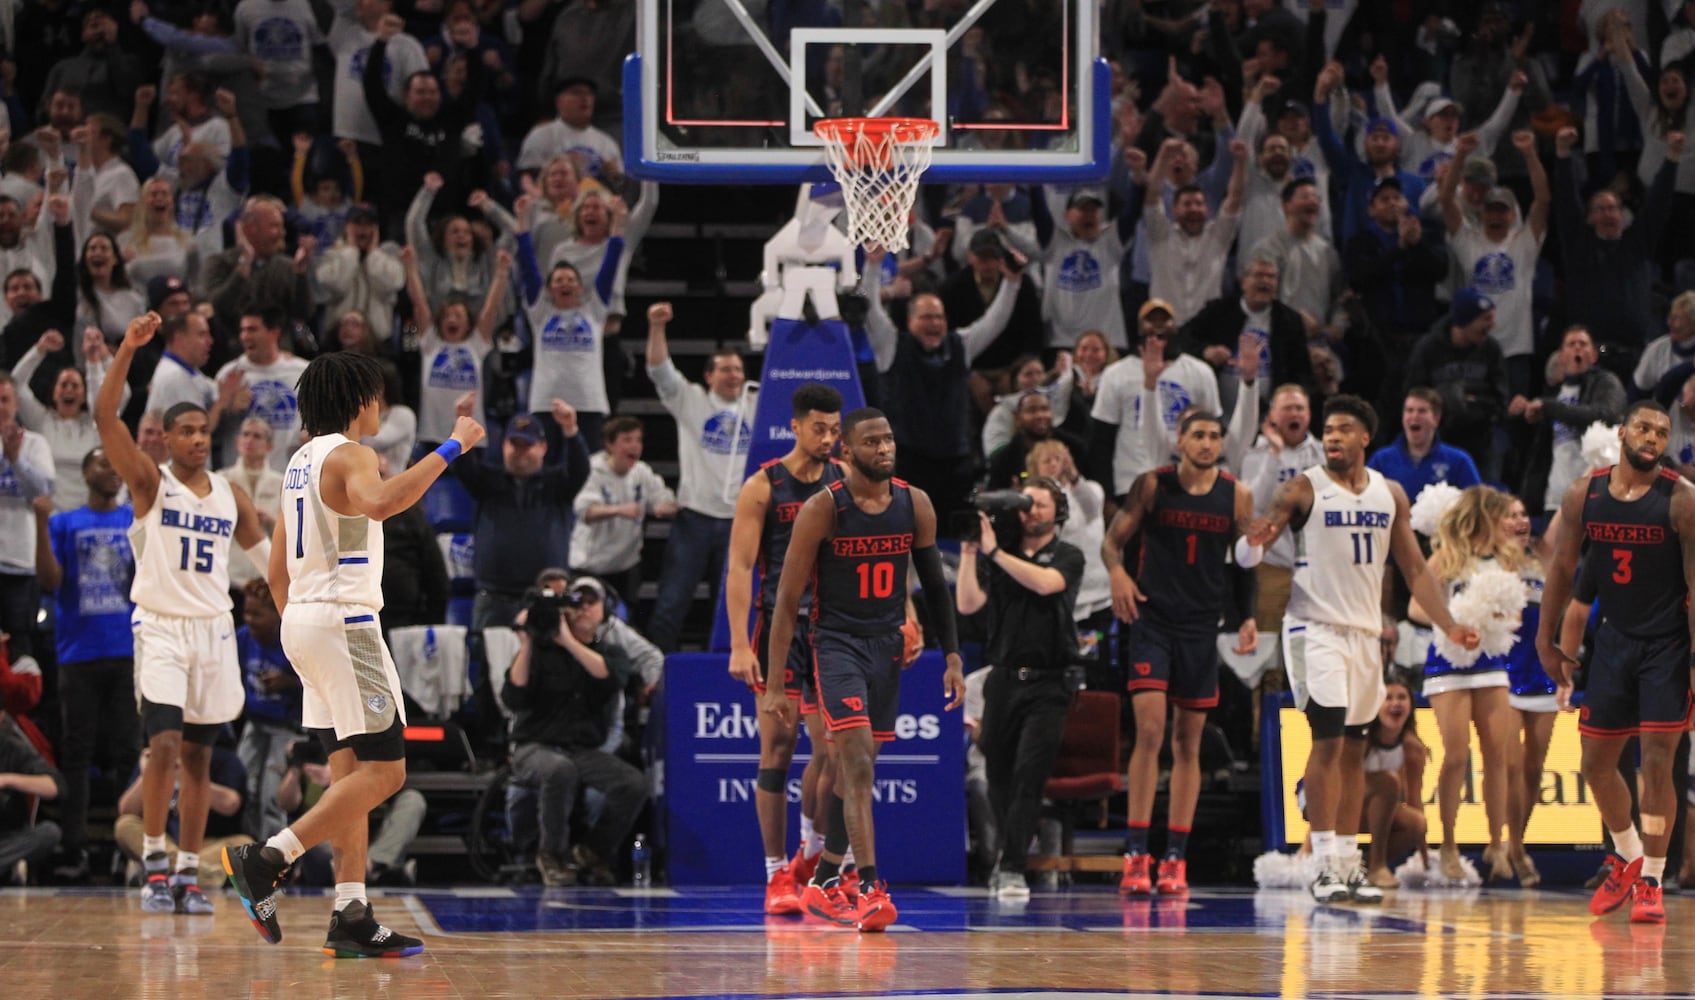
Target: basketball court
{"points": [[96, 944]]}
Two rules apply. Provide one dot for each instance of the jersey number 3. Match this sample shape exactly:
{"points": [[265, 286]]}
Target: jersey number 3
{"points": [[1621, 572], [876, 579]]}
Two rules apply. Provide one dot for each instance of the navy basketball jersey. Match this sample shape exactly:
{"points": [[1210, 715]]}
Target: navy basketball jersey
{"points": [[1185, 540], [787, 496], [860, 582], [1634, 560]]}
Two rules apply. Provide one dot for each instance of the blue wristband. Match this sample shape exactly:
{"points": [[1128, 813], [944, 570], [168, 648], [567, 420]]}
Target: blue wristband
{"points": [[449, 450]]}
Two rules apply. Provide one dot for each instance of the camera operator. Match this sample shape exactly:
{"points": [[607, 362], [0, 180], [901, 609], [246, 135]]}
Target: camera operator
{"points": [[1030, 589], [560, 689]]}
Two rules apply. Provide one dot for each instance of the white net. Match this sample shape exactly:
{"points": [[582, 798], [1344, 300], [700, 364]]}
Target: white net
{"points": [[878, 162]]}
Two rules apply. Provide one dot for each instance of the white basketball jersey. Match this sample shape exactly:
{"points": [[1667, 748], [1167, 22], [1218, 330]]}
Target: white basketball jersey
{"points": [[1341, 552], [182, 549], [332, 557]]}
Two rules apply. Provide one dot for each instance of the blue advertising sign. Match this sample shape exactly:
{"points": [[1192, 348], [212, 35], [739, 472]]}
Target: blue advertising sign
{"points": [[796, 354], [709, 755]]}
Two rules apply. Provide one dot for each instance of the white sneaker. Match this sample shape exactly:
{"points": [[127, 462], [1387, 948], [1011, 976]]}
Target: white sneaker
{"points": [[1360, 889], [1009, 885], [1328, 887]]}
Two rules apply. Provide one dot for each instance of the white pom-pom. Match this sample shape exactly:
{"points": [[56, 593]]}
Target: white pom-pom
{"points": [[1600, 445], [1491, 601], [1433, 501], [1275, 870], [1414, 875]]}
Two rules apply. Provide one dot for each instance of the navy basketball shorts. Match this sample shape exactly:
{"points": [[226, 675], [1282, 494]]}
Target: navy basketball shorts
{"points": [[1182, 667], [797, 670], [859, 680], [1636, 685]]}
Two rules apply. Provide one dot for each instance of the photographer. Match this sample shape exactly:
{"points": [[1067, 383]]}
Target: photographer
{"points": [[560, 689], [1030, 589]]}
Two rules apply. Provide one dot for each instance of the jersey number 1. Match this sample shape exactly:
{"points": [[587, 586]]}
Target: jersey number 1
{"points": [[300, 528], [876, 579]]}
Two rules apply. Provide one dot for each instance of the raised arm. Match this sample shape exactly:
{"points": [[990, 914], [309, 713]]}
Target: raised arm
{"points": [[978, 335], [368, 493], [1232, 204], [815, 523], [494, 303], [1385, 100], [1447, 192], [139, 473], [1541, 195], [48, 572], [879, 328], [1568, 208], [659, 317], [745, 534], [422, 317], [1502, 117]]}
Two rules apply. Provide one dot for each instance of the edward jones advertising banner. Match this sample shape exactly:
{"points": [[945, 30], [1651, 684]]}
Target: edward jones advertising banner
{"points": [[710, 757]]}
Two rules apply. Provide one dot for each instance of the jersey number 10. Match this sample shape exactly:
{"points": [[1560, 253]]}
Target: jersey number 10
{"points": [[876, 579]]}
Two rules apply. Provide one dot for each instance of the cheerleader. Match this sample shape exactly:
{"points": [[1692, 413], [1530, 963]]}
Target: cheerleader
{"points": [[1530, 699], [1394, 784], [1470, 538]]}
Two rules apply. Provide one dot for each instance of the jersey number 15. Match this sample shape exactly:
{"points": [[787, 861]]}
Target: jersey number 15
{"points": [[201, 553]]}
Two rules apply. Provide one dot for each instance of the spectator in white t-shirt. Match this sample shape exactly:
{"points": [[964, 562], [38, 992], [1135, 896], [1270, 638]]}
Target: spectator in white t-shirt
{"points": [[105, 190], [1187, 252], [268, 379], [26, 472], [451, 351], [352, 33], [1083, 255], [714, 433], [256, 471], [613, 507], [1498, 257], [572, 134], [1666, 352]]}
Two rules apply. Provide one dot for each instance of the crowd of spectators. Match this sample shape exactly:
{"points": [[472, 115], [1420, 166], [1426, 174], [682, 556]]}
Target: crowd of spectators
{"points": [[1475, 215]]}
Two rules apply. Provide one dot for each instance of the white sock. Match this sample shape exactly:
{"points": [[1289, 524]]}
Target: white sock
{"points": [[288, 844], [806, 830], [188, 863], [349, 892], [814, 845], [152, 845], [773, 866], [847, 858], [1654, 868], [1324, 846], [1347, 845], [1627, 844]]}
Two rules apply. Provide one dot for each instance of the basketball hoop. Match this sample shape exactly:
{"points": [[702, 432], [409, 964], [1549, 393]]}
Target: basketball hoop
{"points": [[878, 163]]}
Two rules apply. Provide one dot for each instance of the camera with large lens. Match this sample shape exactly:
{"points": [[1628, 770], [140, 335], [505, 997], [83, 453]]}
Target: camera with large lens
{"points": [[542, 609], [965, 525]]}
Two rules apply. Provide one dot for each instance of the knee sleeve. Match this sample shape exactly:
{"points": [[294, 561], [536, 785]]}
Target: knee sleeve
{"points": [[771, 780], [1327, 723], [1356, 732], [156, 719]]}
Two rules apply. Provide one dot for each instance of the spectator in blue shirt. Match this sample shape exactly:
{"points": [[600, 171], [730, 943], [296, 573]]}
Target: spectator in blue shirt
{"points": [[273, 709], [83, 558], [1416, 458]]}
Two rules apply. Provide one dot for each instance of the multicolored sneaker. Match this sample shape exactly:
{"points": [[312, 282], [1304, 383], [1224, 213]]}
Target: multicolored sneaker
{"points": [[876, 909], [1173, 877], [1328, 886], [829, 904], [1137, 881], [1615, 890], [256, 877], [1647, 907], [780, 895], [850, 884], [355, 933]]}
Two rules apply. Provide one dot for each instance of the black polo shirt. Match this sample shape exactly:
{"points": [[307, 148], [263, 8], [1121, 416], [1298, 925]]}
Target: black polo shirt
{"points": [[1027, 629]]}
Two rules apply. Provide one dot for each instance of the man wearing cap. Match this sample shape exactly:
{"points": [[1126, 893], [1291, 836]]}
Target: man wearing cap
{"points": [[562, 691], [1356, 176], [1498, 258], [356, 275], [1608, 265], [1431, 141], [521, 527], [969, 292], [1309, 268], [1083, 257], [1467, 367], [1394, 264], [1119, 444], [573, 134], [423, 132]]}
